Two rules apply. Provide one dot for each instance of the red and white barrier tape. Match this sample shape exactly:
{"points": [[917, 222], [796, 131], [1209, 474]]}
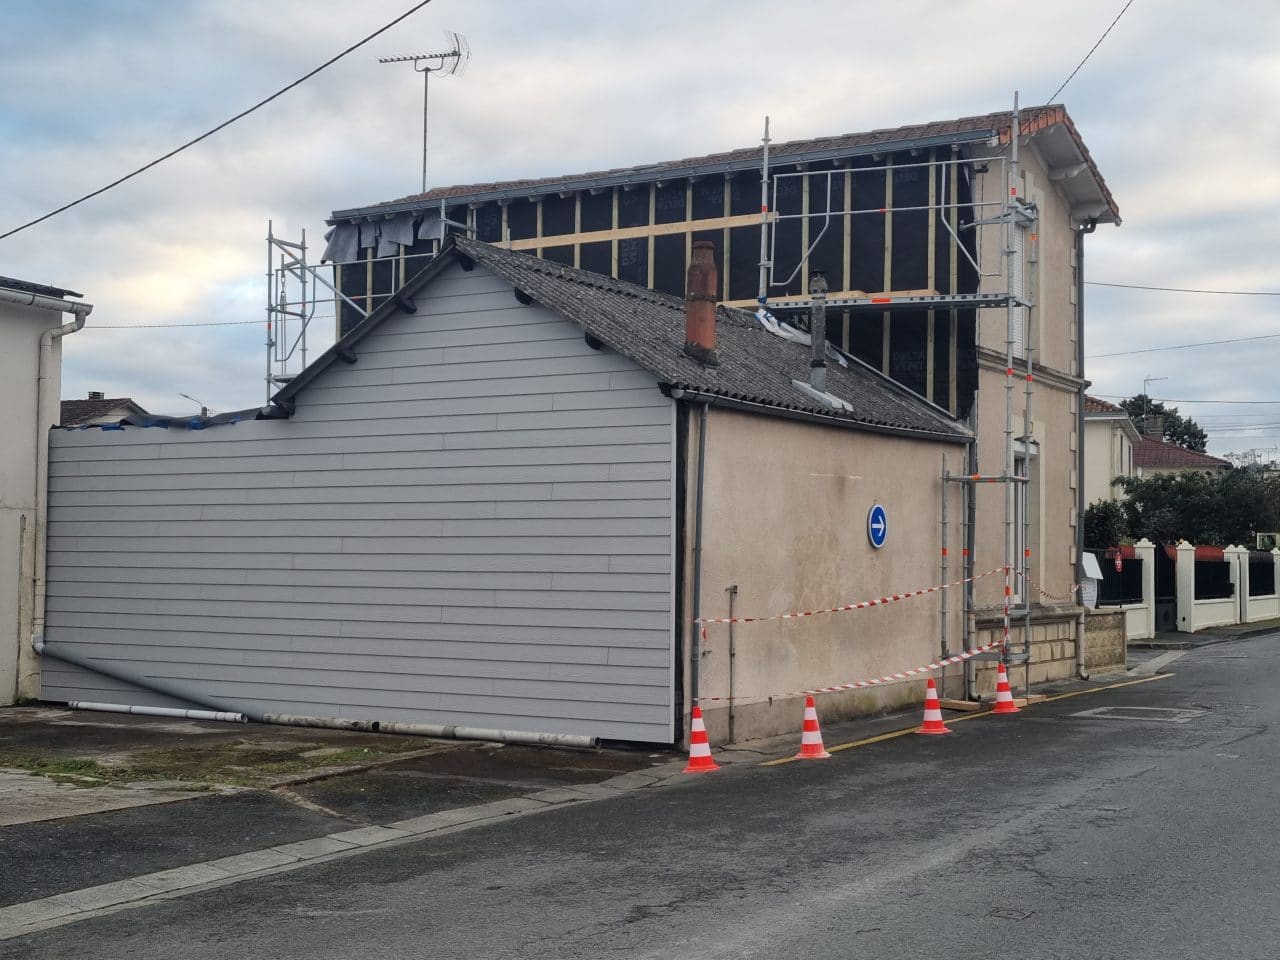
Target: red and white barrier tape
{"points": [[1075, 588], [860, 605], [879, 681]]}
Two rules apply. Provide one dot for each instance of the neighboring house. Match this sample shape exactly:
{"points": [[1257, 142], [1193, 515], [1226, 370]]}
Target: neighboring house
{"points": [[907, 295], [1152, 457], [499, 503], [31, 328], [1109, 440], [97, 409]]}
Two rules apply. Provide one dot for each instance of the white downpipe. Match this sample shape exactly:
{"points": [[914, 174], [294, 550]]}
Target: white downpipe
{"points": [[79, 312], [158, 711]]}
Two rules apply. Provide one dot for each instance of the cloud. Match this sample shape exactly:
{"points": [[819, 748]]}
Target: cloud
{"points": [[1178, 107]]}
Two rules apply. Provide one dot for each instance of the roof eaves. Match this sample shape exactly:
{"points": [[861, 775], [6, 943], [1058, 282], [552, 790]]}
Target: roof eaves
{"points": [[343, 348], [645, 174], [681, 391]]}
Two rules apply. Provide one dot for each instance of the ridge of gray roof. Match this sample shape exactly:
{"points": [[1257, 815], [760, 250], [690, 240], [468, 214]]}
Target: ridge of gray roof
{"points": [[756, 367], [973, 129]]}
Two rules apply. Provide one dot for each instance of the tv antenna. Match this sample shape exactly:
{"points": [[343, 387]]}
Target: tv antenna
{"points": [[447, 63]]}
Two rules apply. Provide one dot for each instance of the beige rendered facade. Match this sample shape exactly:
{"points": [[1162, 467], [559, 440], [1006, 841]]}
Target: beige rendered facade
{"points": [[785, 522], [1109, 438]]}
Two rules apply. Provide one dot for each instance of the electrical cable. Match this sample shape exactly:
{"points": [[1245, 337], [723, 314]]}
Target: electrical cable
{"points": [[1228, 293], [226, 123], [1090, 53], [148, 326], [1116, 396], [1183, 346]]}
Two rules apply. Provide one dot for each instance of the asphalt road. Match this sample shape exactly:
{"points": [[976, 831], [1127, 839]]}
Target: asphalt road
{"points": [[1047, 835]]}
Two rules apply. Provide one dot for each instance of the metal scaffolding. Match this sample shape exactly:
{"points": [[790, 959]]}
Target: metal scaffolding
{"points": [[1016, 220]]}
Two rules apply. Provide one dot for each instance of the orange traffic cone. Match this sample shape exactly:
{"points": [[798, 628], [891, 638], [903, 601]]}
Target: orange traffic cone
{"points": [[932, 712], [811, 736], [1004, 696], [699, 748]]}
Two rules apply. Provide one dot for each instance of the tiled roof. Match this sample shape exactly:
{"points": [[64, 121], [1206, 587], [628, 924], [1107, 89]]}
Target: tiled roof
{"points": [[756, 367], [75, 412], [1094, 405], [1159, 455], [966, 128]]}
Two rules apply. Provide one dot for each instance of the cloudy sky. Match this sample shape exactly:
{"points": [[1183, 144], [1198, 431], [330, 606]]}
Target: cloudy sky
{"points": [[1180, 107]]}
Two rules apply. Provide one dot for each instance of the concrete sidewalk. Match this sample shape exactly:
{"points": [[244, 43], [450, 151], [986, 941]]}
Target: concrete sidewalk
{"points": [[1207, 637], [180, 840]]}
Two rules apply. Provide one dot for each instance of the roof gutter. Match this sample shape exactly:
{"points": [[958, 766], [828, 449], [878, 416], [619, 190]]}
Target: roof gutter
{"points": [[805, 416], [45, 418]]}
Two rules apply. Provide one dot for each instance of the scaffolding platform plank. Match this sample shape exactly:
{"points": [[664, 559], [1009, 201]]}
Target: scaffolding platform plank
{"points": [[905, 301]]}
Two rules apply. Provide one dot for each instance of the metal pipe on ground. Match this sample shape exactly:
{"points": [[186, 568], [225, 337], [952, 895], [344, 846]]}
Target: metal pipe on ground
{"points": [[176, 712], [180, 691]]}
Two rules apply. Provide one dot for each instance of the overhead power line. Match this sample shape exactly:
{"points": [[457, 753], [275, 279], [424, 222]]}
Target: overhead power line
{"points": [[1228, 293], [1182, 346], [222, 126], [1116, 396], [1090, 53], [148, 326]]}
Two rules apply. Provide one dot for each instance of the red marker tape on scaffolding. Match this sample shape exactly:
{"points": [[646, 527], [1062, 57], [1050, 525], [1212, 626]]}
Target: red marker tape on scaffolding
{"points": [[860, 605], [1075, 587]]}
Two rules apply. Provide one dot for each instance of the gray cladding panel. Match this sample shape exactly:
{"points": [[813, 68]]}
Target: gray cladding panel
{"points": [[472, 524]]}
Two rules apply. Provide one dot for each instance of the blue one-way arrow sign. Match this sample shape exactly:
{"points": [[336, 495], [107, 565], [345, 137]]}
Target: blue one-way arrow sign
{"points": [[877, 526]]}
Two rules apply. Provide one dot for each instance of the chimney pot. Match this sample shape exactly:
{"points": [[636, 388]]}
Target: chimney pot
{"points": [[97, 395], [701, 298]]}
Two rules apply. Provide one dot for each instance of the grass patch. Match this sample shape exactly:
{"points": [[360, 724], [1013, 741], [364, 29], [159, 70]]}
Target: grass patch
{"points": [[235, 763]]}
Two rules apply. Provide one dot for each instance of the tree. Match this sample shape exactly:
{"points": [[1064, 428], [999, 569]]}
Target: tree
{"points": [[1105, 525], [1202, 508], [1179, 430]]}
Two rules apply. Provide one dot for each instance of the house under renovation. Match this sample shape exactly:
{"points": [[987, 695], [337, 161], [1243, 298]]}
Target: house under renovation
{"points": [[524, 478], [953, 253], [497, 504]]}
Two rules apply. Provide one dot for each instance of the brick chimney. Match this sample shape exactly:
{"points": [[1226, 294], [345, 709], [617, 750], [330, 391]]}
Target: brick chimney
{"points": [[700, 301]]}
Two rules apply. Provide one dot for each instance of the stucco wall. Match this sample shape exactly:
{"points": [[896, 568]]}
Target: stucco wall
{"points": [[1052, 494], [20, 329], [1050, 273], [1107, 455], [785, 519]]}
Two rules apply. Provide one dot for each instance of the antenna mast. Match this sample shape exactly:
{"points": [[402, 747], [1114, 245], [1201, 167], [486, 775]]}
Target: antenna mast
{"points": [[447, 63]]}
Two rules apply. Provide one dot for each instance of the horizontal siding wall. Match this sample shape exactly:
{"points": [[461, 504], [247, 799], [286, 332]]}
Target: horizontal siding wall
{"points": [[472, 524]]}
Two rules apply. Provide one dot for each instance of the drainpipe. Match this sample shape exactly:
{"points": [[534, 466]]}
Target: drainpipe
{"points": [[1085, 228], [700, 303], [695, 648], [44, 418]]}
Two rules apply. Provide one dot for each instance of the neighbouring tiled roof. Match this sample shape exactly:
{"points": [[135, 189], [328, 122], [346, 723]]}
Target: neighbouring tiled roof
{"points": [[75, 412], [755, 366], [1157, 454], [1094, 405], [995, 124]]}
